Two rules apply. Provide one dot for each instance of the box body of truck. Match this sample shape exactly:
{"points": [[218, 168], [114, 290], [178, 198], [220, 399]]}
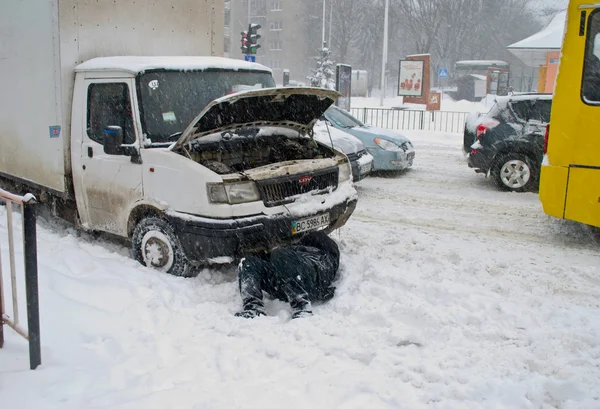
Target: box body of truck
{"points": [[41, 43]]}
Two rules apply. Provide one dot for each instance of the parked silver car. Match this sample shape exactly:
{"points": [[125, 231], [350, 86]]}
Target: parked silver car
{"points": [[352, 147]]}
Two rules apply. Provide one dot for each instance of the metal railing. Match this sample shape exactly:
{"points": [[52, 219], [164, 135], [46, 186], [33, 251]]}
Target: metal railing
{"points": [[27, 205], [412, 120]]}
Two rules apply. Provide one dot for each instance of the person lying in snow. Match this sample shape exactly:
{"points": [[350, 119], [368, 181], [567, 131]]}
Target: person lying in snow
{"points": [[298, 274]]}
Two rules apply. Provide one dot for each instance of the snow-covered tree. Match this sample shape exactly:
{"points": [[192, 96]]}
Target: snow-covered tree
{"points": [[324, 75]]}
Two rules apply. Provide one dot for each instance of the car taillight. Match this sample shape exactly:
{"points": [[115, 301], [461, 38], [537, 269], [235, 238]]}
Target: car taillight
{"points": [[546, 138], [481, 130]]}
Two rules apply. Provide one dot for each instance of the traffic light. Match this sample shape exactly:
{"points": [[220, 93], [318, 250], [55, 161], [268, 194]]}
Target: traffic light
{"points": [[253, 37], [245, 43]]}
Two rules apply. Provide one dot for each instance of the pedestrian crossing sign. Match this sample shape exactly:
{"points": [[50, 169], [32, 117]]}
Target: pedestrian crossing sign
{"points": [[443, 73]]}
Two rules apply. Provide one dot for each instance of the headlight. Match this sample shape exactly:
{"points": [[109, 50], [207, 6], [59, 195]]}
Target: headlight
{"points": [[233, 193], [345, 172], [217, 193], [387, 145]]}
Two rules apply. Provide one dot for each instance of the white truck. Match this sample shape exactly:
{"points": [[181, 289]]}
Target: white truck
{"points": [[191, 158]]}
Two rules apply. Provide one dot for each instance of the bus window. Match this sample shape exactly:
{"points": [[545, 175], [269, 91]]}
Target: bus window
{"points": [[590, 88]]}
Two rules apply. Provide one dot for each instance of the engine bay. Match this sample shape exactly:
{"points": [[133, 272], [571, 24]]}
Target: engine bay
{"points": [[232, 152]]}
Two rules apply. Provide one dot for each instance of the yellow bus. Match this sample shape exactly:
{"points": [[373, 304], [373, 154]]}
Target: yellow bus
{"points": [[570, 175]]}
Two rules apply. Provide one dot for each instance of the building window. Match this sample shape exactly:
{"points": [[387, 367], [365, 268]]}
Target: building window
{"points": [[275, 46], [590, 88], [276, 26], [276, 6], [258, 6], [275, 64]]}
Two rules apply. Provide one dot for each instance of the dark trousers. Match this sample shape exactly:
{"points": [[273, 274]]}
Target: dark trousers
{"points": [[287, 275]]}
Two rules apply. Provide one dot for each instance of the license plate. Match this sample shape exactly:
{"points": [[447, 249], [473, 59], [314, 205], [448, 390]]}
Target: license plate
{"points": [[310, 223]]}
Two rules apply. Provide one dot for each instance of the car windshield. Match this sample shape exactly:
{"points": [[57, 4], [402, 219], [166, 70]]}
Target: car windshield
{"points": [[342, 118], [170, 100]]}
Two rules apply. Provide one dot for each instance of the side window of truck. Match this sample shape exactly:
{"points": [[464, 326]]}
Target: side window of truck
{"points": [[109, 105], [590, 88]]}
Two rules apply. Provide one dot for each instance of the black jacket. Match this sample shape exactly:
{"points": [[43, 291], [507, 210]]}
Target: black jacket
{"points": [[323, 253]]}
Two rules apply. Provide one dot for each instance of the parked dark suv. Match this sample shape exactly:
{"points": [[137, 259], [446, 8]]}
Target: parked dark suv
{"points": [[507, 143]]}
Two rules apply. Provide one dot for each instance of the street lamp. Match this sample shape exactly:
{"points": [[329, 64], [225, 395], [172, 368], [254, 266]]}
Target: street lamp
{"points": [[385, 51]]}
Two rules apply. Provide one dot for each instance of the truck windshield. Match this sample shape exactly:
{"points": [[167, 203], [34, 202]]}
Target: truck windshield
{"points": [[170, 100]]}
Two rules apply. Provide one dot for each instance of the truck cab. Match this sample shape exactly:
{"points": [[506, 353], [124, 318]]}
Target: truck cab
{"points": [[188, 180], [570, 174]]}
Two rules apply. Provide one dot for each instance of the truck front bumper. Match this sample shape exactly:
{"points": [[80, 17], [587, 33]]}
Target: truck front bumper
{"points": [[204, 238]]}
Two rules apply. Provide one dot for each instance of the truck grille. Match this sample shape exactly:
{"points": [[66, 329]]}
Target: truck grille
{"points": [[281, 190]]}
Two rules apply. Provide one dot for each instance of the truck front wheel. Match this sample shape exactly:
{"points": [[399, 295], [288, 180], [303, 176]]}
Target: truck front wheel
{"points": [[155, 245]]}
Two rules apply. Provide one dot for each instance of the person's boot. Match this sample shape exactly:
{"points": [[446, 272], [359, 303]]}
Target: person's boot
{"points": [[252, 310], [301, 309]]}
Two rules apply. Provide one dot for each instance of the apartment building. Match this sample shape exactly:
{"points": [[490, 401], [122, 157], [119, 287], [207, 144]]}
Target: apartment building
{"points": [[284, 43]]}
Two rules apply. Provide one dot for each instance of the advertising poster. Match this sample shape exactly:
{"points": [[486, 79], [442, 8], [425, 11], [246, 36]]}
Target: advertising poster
{"points": [[434, 101], [410, 78], [343, 85]]}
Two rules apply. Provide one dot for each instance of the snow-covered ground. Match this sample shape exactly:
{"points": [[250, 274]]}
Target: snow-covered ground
{"points": [[452, 295]]}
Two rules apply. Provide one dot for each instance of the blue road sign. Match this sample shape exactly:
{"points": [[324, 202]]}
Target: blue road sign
{"points": [[251, 58], [443, 73]]}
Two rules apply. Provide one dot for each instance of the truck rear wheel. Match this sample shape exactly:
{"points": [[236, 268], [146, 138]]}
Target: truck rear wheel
{"points": [[155, 245]]}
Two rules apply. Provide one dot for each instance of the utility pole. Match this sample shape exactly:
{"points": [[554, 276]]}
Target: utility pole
{"points": [[385, 51], [323, 37], [249, 12], [330, 20]]}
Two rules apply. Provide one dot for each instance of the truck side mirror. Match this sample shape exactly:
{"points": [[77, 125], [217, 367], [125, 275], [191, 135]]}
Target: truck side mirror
{"points": [[113, 139]]}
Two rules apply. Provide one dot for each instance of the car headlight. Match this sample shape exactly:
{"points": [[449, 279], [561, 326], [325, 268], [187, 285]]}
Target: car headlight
{"points": [[233, 193], [345, 172], [387, 145]]}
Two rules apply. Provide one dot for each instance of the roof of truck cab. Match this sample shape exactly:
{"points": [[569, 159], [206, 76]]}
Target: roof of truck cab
{"points": [[135, 64]]}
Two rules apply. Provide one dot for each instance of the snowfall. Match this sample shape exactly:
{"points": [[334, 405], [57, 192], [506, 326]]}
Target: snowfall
{"points": [[452, 295]]}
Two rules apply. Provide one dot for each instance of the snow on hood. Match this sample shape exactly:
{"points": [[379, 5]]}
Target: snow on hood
{"points": [[342, 141], [293, 108], [385, 134]]}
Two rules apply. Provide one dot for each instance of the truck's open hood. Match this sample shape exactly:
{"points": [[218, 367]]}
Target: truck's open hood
{"points": [[294, 108]]}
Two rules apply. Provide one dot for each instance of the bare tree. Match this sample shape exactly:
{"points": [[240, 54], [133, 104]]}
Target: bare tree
{"points": [[347, 18], [424, 18]]}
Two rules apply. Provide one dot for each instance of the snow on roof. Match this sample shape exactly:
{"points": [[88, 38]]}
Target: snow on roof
{"points": [[550, 38], [523, 97], [479, 77], [135, 64], [533, 50]]}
